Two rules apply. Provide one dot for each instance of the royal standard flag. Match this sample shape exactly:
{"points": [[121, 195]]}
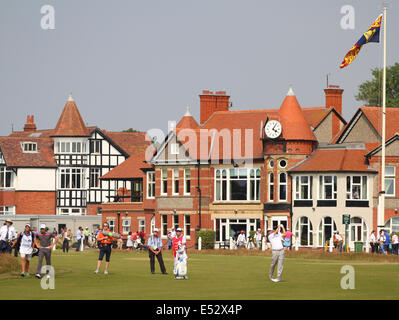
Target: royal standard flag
{"points": [[371, 35]]}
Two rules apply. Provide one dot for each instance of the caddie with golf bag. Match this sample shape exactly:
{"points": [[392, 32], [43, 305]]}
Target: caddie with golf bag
{"points": [[180, 269]]}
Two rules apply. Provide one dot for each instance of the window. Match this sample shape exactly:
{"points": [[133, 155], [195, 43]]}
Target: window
{"points": [[356, 187], [282, 195], [152, 224], [326, 229], [137, 190], [175, 221], [303, 187], [221, 185], [187, 181], [29, 147], [271, 163], [392, 224], [282, 164], [71, 178], [7, 210], [164, 225], [390, 181], [142, 225], [327, 187], [174, 148], [111, 224], [164, 182], [95, 146], [126, 226], [94, 177], [187, 225], [151, 185], [254, 184], [304, 231], [71, 147], [357, 229], [271, 186], [7, 178], [175, 182], [238, 184]]}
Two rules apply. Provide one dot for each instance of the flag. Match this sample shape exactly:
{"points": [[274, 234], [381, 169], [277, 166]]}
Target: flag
{"points": [[371, 35]]}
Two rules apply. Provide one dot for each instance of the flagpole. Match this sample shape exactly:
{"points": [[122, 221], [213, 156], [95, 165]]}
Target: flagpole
{"points": [[381, 217]]}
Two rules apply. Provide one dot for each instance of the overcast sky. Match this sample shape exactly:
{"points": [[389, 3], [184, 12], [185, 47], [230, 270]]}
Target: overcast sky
{"points": [[136, 63]]}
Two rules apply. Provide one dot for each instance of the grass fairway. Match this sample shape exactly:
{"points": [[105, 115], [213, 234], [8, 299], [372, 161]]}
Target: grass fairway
{"points": [[212, 275]]}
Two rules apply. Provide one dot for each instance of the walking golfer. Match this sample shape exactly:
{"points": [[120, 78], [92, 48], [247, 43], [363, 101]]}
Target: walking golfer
{"points": [[276, 241], [43, 243]]}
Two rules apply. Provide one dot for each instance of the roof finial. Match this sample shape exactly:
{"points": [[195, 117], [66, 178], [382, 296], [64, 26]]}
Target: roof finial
{"points": [[70, 98], [188, 114], [290, 91]]}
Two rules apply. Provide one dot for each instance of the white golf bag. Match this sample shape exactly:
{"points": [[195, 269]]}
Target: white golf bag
{"points": [[180, 268]]}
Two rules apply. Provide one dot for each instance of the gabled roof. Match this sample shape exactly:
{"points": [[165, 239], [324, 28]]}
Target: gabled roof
{"points": [[15, 157], [378, 146], [70, 123], [335, 160], [315, 115], [129, 142]]}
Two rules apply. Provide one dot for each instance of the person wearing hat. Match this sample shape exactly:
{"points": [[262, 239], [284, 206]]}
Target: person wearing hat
{"points": [[43, 242], [179, 238], [7, 234], [241, 240], [154, 245], [276, 241], [258, 238], [26, 241]]}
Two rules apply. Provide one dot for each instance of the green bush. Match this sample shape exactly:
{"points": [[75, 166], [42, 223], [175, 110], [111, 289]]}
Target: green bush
{"points": [[208, 238], [252, 235]]}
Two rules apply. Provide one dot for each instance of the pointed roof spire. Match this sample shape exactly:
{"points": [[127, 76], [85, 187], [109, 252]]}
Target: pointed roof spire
{"points": [[188, 121], [70, 123], [188, 114], [295, 126]]}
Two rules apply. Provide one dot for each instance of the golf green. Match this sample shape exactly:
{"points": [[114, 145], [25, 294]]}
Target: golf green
{"points": [[211, 276]]}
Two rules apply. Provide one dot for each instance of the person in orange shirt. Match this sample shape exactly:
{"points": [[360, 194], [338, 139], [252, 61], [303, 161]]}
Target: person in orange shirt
{"points": [[105, 245]]}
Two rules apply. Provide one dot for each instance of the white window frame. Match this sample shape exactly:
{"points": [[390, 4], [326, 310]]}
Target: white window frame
{"points": [[392, 178], [297, 231], [188, 236], [357, 184], [164, 193], [150, 192], [3, 172], [164, 226], [26, 145], [175, 178], [320, 230], [96, 146], [298, 187], [141, 224], [62, 171], [282, 184], [321, 195], [175, 225], [7, 210], [66, 147], [111, 224], [270, 187], [279, 163], [125, 226], [96, 174], [152, 224], [185, 181], [174, 148]]}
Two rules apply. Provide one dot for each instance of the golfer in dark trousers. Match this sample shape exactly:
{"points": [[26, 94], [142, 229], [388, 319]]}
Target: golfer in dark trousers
{"points": [[154, 244], [43, 243]]}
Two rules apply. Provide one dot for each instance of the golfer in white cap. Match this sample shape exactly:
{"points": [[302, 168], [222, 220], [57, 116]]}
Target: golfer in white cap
{"points": [[154, 245], [7, 234], [43, 242], [276, 241]]}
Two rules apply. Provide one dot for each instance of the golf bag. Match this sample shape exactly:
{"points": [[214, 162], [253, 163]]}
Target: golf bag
{"points": [[180, 268]]}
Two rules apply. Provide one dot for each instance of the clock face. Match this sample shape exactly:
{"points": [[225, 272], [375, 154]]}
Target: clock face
{"points": [[273, 129]]}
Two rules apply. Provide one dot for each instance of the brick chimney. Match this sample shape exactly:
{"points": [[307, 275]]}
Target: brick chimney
{"points": [[30, 124], [334, 99], [211, 102]]}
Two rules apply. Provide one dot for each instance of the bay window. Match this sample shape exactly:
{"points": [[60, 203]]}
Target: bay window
{"points": [[7, 178]]}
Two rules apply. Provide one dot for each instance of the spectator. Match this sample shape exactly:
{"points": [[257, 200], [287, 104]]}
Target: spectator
{"points": [[170, 239], [241, 240], [55, 233], [395, 244], [339, 240], [258, 238], [373, 242], [79, 237], [86, 234], [105, 246], [66, 237], [287, 239], [381, 240], [387, 242], [7, 234], [129, 242], [155, 250]]}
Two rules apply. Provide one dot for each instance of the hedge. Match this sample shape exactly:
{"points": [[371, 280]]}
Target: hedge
{"points": [[208, 238]]}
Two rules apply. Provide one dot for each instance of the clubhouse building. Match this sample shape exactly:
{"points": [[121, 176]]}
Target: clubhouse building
{"points": [[303, 167]]}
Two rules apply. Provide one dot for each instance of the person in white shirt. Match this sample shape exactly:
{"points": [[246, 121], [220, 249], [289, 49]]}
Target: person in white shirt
{"points": [[395, 244], [241, 240], [258, 238], [26, 242], [7, 235], [276, 241], [373, 242]]}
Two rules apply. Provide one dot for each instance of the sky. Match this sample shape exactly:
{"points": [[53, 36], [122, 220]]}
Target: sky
{"points": [[137, 64]]}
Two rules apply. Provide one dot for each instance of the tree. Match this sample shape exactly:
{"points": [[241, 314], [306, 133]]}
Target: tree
{"points": [[371, 91], [130, 130]]}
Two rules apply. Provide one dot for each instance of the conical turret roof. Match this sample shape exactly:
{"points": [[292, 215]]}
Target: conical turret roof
{"points": [[295, 126], [70, 123], [187, 122]]}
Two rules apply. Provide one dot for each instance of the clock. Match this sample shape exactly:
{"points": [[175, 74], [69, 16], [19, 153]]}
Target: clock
{"points": [[273, 129]]}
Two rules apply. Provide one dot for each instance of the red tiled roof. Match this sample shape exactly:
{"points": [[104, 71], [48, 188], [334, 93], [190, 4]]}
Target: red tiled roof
{"points": [[333, 160], [187, 122], [314, 115], [374, 115], [70, 123], [130, 142], [12, 151], [129, 169]]}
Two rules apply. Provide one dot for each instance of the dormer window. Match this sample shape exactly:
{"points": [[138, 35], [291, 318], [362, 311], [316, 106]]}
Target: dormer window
{"points": [[29, 147]]}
